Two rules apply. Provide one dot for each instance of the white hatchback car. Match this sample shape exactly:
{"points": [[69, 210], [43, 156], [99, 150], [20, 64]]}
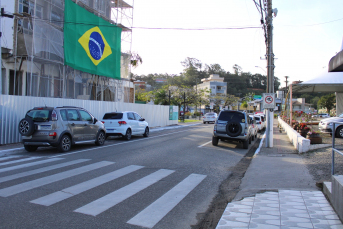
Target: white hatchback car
{"points": [[260, 122], [209, 117], [254, 127], [125, 124]]}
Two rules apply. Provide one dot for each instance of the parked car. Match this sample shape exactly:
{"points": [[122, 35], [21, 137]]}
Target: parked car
{"points": [[321, 115], [125, 124], [326, 125], [260, 122], [60, 127], [209, 117], [233, 126], [254, 127]]}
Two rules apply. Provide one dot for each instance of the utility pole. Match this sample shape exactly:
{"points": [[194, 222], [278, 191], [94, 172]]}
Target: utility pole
{"points": [[270, 75]]}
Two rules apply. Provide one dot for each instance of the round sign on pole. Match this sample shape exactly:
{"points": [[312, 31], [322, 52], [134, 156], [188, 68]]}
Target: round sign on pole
{"points": [[268, 100]]}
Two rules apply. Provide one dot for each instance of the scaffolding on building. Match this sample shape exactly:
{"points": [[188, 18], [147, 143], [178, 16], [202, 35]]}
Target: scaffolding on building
{"points": [[38, 53]]}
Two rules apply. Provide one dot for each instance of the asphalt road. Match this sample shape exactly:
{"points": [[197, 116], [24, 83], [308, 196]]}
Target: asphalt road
{"points": [[167, 180]]}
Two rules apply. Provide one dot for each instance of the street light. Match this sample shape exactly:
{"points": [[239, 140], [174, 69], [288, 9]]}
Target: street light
{"points": [[261, 68]]}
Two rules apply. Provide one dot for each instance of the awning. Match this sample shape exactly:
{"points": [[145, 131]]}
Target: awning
{"points": [[328, 82], [336, 63]]}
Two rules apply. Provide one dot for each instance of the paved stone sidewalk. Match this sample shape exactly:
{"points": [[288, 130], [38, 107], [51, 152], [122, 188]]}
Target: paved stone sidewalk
{"points": [[284, 209]]}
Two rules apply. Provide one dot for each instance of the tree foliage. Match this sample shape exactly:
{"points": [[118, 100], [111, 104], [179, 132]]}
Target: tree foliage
{"points": [[327, 101], [238, 83]]}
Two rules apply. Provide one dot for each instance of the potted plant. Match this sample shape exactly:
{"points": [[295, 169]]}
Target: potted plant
{"points": [[304, 131], [314, 137]]}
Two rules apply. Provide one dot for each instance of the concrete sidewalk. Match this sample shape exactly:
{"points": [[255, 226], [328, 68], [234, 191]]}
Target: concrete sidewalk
{"points": [[277, 191]]}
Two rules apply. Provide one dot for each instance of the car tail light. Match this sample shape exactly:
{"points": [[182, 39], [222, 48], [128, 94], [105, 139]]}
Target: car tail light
{"points": [[203, 117], [103, 122], [122, 123], [54, 116], [54, 134]]}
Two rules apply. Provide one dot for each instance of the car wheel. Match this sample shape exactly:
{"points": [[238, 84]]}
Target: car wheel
{"points": [[250, 140], [339, 132], [233, 129], [127, 136], [100, 138], [214, 141], [65, 144], [26, 127], [204, 122], [253, 137], [146, 132], [31, 148], [245, 144]]}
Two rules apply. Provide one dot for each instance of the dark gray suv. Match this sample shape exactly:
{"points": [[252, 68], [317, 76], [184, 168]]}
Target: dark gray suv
{"points": [[232, 125], [60, 127]]}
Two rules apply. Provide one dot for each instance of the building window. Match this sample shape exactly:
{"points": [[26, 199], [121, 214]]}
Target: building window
{"points": [[56, 17]]}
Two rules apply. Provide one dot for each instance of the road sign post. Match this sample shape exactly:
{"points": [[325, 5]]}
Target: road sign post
{"points": [[268, 102]]}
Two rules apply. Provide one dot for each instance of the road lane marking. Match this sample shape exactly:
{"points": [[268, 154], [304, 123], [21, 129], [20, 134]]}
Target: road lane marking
{"points": [[104, 203], [18, 161], [12, 190], [151, 215], [204, 144], [84, 186], [44, 169], [29, 164], [7, 158]]}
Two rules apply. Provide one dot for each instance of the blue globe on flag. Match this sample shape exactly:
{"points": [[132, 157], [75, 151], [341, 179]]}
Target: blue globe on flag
{"points": [[96, 45]]}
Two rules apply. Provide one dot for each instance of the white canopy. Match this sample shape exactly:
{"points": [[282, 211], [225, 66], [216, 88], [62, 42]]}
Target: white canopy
{"points": [[327, 82]]}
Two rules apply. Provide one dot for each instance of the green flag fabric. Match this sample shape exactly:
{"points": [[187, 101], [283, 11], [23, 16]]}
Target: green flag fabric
{"points": [[91, 44]]}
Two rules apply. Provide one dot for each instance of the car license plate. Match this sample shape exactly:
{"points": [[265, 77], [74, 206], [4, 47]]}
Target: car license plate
{"points": [[44, 127]]}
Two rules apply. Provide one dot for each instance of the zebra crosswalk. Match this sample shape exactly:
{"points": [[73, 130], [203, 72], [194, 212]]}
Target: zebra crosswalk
{"points": [[147, 217]]}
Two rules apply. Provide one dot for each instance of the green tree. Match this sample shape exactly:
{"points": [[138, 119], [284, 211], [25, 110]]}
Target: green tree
{"points": [[314, 102], [327, 101], [245, 105]]}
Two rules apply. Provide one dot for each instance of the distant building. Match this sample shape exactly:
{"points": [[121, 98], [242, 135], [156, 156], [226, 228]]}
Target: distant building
{"points": [[215, 83], [159, 80]]}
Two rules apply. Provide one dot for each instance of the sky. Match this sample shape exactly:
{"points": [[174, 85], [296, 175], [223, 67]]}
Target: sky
{"points": [[306, 35]]}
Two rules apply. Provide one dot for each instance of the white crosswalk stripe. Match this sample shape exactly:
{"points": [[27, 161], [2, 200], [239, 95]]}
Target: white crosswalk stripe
{"points": [[10, 191], [9, 157], [82, 187], [148, 217], [18, 161], [157, 210], [29, 164], [37, 171], [100, 205]]}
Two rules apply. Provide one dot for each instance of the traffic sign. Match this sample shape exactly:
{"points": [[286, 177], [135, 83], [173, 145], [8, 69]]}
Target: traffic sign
{"points": [[268, 100]]}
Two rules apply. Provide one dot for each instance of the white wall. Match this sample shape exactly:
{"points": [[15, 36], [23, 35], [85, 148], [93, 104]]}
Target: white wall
{"points": [[14, 108]]}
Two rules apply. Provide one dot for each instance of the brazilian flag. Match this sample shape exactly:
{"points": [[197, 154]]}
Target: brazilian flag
{"points": [[91, 44]]}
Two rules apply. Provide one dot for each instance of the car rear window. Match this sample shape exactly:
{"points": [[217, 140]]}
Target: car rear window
{"points": [[39, 115], [232, 116], [113, 116], [210, 114], [257, 118]]}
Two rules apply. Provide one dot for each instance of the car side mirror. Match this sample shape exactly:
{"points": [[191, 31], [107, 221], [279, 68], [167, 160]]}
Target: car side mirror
{"points": [[142, 119], [95, 120]]}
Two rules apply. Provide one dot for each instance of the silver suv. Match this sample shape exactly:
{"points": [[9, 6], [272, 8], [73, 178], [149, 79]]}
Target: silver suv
{"points": [[60, 127], [232, 125]]}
